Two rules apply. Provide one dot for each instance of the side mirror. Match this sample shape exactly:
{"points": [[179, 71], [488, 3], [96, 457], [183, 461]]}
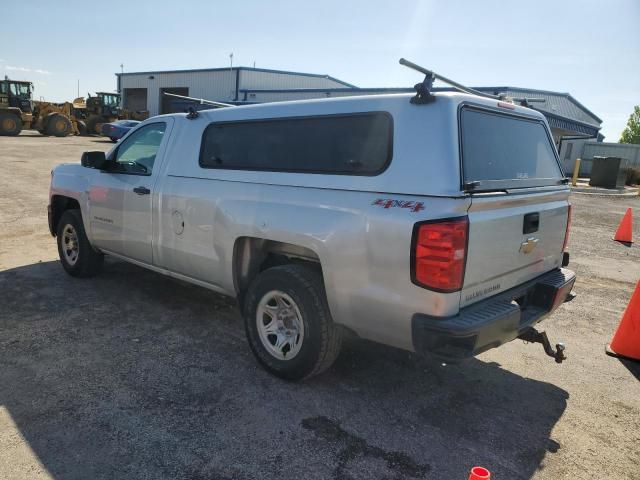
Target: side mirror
{"points": [[97, 160]]}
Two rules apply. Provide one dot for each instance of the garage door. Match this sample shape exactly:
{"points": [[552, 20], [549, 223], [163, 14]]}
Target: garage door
{"points": [[135, 99]]}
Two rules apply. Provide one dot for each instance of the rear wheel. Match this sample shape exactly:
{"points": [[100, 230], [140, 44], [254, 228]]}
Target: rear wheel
{"points": [[58, 125], [288, 323], [10, 124], [77, 256]]}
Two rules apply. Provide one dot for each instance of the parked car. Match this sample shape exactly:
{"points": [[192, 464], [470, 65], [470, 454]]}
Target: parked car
{"points": [[438, 228], [118, 129]]}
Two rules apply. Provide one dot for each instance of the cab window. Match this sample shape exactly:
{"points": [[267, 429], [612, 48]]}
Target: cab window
{"points": [[137, 152]]}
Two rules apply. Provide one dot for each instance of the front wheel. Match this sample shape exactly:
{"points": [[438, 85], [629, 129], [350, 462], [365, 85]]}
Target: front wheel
{"points": [[77, 256], [10, 124], [288, 323]]}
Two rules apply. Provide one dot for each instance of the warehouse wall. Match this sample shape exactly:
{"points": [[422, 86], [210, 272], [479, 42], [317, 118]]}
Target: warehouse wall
{"points": [[214, 85], [586, 150], [220, 85], [260, 79]]}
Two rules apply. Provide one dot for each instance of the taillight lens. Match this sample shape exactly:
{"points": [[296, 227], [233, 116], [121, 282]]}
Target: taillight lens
{"points": [[439, 254], [566, 233]]}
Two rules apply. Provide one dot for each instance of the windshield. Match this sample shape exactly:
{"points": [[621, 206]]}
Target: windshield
{"points": [[110, 100], [20, 90], [506, 149]]}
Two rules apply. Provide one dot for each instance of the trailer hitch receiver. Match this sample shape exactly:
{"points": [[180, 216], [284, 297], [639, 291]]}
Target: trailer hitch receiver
{"points": [[533, 336]]}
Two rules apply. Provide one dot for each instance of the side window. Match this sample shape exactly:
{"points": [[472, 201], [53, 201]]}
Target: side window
{"points": [[3, 88], [137, 153], [353, 144]]}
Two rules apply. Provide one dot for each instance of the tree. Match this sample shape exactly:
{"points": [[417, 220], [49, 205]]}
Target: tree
{"points": [[631, 134]]}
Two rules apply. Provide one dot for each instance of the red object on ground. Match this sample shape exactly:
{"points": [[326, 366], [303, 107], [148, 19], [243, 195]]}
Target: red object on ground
{"points": [[625, 230], [626, 340], [480, 473]]}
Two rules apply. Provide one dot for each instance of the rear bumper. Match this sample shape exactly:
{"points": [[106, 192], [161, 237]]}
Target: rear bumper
{"points": [[492, 322]]}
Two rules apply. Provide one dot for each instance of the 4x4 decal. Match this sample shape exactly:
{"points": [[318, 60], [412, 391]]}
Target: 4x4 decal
{"points": [[390, 203]]}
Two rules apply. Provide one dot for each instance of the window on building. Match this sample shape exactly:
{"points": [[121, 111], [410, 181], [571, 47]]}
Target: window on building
{"points": [[355, 144]]}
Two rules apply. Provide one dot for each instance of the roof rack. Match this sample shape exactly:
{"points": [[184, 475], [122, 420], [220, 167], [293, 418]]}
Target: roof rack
{"points": [[201, 101], [424, 95], [192, 113], [423, 90]]}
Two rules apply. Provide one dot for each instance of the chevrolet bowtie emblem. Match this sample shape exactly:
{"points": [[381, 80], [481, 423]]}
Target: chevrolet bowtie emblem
{"points": [[529, 246]]}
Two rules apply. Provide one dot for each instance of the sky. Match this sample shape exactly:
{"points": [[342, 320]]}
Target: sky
{"points": [[588, 48]]}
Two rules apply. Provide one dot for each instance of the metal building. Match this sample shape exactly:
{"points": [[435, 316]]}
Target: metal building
{"points": [[584, 149], [143, 91]]}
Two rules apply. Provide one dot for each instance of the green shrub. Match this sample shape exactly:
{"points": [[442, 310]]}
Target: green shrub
{"points": [[632, 175]]}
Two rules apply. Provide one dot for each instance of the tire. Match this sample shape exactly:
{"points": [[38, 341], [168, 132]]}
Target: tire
{"points": [[71, 238], [58, 125], [82, 127], [92, 122], [10, 124], [295, 295]]}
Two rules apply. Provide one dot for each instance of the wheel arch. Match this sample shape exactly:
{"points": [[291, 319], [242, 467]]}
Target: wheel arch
{"points": [[60, 204], [252, 255]]}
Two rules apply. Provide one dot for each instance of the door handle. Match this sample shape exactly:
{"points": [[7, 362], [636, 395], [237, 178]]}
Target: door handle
{"points": [[142, 190]]}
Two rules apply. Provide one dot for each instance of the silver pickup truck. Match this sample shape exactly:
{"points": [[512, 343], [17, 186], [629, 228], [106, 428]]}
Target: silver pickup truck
{"points": [[438, 228]]}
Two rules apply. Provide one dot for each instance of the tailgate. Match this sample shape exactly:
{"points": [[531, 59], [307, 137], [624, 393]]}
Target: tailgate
{"points": [[512, 239]]}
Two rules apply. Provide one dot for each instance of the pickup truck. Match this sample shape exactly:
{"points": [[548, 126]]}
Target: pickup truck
{"points": [[438, 228]]}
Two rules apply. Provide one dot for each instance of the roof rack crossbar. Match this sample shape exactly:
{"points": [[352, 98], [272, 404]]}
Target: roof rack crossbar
{"points": [[423, 94], [201, 101]]}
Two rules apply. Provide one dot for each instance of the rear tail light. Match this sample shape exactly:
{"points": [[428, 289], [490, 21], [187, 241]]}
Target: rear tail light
{"points": [[439, 251], [566, 233]]}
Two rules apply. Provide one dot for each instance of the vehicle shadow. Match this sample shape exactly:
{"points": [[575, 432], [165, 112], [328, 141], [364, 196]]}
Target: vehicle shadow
{"points": [[134, 375], [632, 366]]}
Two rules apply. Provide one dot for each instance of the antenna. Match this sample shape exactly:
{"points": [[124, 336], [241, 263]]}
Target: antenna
{"points": [[423, 93], [231, 60]]}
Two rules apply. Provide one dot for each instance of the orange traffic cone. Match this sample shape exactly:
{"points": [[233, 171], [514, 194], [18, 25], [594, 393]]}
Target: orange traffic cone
{"points": [[480, 473], [626, 340], [625, 230]]}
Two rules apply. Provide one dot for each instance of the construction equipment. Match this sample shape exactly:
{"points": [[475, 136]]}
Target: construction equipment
{"points": [[102, 108], [18, 111], [16, 107]]}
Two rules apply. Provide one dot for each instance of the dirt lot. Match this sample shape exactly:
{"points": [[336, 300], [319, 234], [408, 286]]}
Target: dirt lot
{"points": [[134, 375]]}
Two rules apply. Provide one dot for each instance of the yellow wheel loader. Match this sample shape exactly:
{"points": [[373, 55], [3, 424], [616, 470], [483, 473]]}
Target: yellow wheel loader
{"points": [[19, 112]]}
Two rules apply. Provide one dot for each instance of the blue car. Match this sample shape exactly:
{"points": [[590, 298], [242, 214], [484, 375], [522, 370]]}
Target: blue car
{"points": [[118, 129]]}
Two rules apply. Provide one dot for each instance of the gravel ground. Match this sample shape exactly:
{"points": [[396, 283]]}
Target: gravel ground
{"points": [[132, 375]]}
